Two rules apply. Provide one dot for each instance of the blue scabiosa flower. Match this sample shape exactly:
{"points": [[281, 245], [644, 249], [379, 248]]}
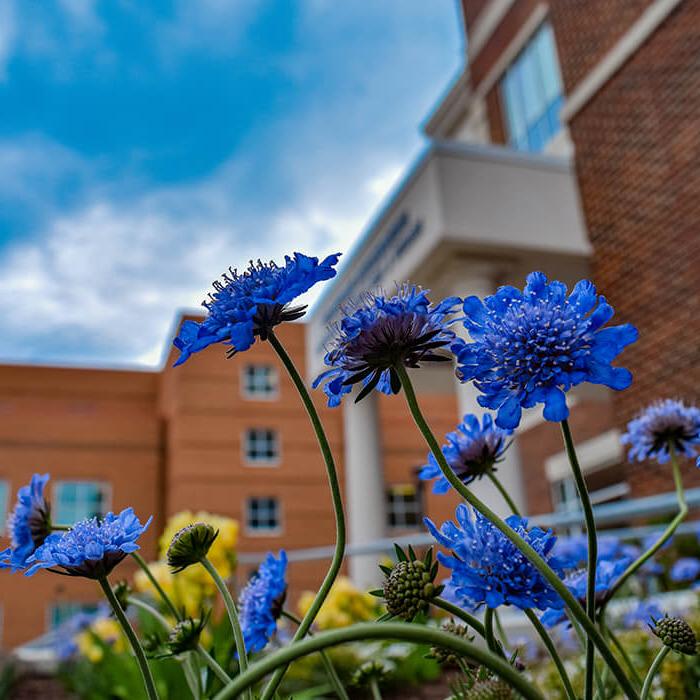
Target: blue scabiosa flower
{"points": [[685, 569], [261, 602], [472, 451], [532, 346], [250, 304], [662, 425], [28, 525], [573, 550], [488, 569], [379, 333], [607, 572], [92, 547]]}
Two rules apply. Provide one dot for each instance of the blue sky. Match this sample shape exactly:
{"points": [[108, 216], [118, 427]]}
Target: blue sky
{"points": [[146, 145]]}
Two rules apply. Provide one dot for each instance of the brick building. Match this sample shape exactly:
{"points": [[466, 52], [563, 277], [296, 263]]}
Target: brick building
{"points": [[568, 143]]}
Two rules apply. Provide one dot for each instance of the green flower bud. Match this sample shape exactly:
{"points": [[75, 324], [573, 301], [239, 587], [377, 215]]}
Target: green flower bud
{"points": [[185, 635], [190, 545], [122, 591], [444, 656], [491, 689], [676, 634], [368, 672]]}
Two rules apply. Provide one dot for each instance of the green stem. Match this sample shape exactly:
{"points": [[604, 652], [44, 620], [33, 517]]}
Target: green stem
{"points": [[500, 629], [656, 664], [154, 582], [60, 528], [131, 636], [463, 615], [374, 687], [506, 496], [327, 663], [552, 649], [592, 551], [416, 634], [191, 678], [232, 615], [208, 658], [334, 484], [488, 624], [666, 535], [621, 650], [527, 550]]}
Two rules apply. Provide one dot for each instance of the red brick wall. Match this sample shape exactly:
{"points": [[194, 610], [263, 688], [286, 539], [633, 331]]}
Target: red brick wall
{"points": [[588, 419], [471, 10], [637, 154]]}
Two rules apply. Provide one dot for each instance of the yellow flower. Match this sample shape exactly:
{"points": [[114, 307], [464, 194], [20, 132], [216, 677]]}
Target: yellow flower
{"points": [[106, 629], [344, 606]]}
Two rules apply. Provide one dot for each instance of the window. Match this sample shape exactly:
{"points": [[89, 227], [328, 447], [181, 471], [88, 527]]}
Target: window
{"points": [[62, 612], [76, 500], [404, 506], [4, 496], [261, 446], [259, 382], [532, 93], [263, 515]]}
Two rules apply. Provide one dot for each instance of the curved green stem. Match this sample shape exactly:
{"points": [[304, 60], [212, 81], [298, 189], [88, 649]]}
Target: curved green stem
{"points": [[500, 629], [386, 630], [463, 615], [506, 496], [332, 474], [592, 551], [374, 688], [154, 582], [327, 663], [208, 658], [665, 536], [232, 614], [488, 624], [552, 649], [653, 669], [527, 550], [131, 636]]}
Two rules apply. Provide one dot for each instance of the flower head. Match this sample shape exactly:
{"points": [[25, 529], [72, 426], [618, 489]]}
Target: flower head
{"points": [[685, 569], [675, 633], [661, 426], [378, 333], [250, 304], [261, 602], [607, 572], [28, 525], [190, 545], [472, 451], [487, 568], [532, 346], [185, 635], [92, 547]]}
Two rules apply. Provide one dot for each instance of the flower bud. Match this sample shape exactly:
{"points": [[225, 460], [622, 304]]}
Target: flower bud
{"points": [[368, 672], [190, 545], [444, 656], [185, 635], [122, 591], [676, 634], [410, 585], [491, 689]]}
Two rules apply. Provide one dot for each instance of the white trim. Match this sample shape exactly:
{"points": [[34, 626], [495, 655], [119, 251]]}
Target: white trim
{"points": [[528, 28], [616, 57], [485, 25], [604, 450]]}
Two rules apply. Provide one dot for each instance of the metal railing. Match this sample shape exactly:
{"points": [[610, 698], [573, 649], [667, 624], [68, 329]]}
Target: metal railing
{"points": [[632, 509]]}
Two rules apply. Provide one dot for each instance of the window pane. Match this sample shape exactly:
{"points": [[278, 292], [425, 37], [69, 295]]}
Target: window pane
{"points": [[531, 92], [262, 514], [77, 500]]}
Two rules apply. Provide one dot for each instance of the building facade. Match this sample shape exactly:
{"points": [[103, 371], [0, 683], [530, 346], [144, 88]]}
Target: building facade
{"points": [[569, 144]]}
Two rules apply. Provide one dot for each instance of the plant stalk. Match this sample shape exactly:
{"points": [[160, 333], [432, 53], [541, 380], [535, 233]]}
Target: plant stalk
{"points": [[506, 496], [592, 551], [653, 669], [154, 582], [527, 550], [463, 615], [334, 484], [416, 634], [131, 636]]}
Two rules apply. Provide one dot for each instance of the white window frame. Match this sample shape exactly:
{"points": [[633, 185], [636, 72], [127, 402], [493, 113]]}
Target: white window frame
{"points": [[104, 486], [4, 504], [263, 532], [261, 461], [394, 489], [255, 395]]}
